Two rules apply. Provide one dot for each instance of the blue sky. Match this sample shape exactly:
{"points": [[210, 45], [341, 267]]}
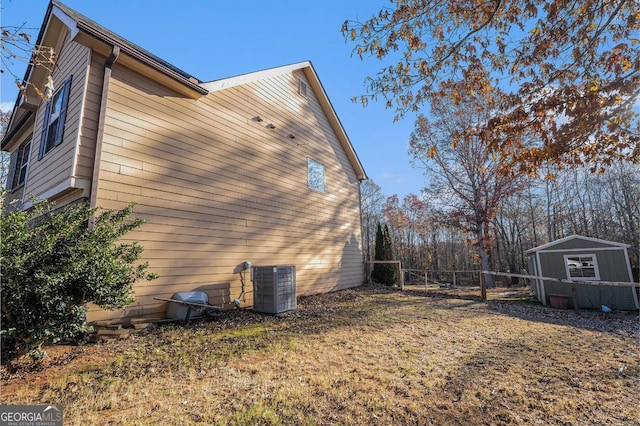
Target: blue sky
{"points": [[218, 39]]}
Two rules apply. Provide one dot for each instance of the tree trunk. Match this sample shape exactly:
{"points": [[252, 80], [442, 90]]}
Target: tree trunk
{"points": [[484, 257]]}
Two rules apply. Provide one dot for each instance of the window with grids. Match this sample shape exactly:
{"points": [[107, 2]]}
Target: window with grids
{"points": [[583, 267], [315, 172], [54, 116], [302, 88], [20, 164]]}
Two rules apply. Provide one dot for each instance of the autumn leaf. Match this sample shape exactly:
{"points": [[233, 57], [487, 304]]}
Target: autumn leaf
{"points": [[533, 77], [39, 92], [22, 88]]}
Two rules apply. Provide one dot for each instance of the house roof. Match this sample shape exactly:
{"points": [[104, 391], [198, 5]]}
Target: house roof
{"points": [[316, 84], [89, 32], [97, 30], [80, 25], [576, 237]]}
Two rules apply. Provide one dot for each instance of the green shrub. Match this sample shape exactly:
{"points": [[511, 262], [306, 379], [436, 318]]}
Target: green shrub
{"points": [[53, 263]]}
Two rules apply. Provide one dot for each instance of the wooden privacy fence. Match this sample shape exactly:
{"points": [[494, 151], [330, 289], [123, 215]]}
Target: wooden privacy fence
{"points": [[572, 283]]}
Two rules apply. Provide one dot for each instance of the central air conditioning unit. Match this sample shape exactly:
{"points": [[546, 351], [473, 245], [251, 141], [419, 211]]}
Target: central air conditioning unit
{"points": [[274, 288]]}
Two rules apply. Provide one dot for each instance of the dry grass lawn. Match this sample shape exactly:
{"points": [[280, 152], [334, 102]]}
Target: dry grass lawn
{"points": [[361, 356]]}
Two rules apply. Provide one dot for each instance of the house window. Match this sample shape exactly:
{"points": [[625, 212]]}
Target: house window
{"points": [[315, 175], [19, 164], [54, 116], [302, 88], [583, 267]]}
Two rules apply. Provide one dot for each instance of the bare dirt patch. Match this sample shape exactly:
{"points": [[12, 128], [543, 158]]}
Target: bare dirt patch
{"points": [[371, 355]]}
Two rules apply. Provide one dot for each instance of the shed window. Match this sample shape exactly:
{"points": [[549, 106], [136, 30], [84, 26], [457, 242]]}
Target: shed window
{"points": [[315, 175], [54, 116], [582, 267], [19, 164]]}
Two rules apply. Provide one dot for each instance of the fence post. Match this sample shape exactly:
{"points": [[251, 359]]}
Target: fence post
{"points": [[483, 287], [454, 279], [574, 296]]}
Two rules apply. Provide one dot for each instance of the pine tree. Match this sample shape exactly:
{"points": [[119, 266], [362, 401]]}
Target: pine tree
{"points": [[378, 271], [383, 273], [390, 273]]}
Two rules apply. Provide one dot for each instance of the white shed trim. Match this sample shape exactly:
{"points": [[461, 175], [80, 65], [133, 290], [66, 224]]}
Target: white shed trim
{"points": [[577, 237]]}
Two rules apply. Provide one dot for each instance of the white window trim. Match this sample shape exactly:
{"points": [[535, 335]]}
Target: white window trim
{"points": [[303, 88], [596, 270], [15, 169], [59, 116]]}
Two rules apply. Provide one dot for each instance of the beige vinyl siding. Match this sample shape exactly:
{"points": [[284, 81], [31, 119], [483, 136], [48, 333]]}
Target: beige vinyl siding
{"points": [[57, 165], [89, 124], [219, 189]]}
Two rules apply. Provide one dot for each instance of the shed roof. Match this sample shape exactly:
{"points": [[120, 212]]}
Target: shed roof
{"points": [[596, 242]]}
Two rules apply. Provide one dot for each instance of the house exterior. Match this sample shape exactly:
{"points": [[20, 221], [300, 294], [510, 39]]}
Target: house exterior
{"points": [[255, 167], [584, 259]]}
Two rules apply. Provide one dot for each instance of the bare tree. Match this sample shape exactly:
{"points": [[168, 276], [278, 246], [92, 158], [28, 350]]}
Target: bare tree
{"points": [[465, 176], [371, 200], [517, 228], [16, 50]]}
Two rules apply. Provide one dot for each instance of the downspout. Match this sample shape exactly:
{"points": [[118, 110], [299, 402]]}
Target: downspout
{"points": [[106, 79]]}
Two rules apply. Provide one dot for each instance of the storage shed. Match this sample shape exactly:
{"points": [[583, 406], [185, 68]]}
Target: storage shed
{"points": [[584, 259]]}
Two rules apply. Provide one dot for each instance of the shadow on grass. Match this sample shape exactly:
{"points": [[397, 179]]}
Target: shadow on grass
{"points": [[442, 294], [623, 322], [482, 368], [239, 332], [379, 307], [524, 370], [517, 303]]}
